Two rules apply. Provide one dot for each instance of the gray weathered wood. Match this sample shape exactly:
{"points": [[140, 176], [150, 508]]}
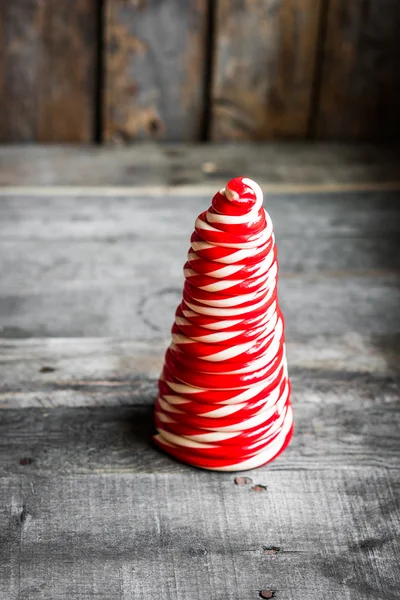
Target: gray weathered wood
{"points": [[265, 53], [214, 165], [343, 416], [154, 69], [198, 535], [359, 82], [89, 508], [108, 372], [104, 267], [48, 70], [295, 163], [71, 165]]}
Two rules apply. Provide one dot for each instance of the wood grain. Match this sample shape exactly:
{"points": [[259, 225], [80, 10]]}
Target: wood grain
{"points": [[82, 165], [194, 535], [47, 70], [281, 163], [88, 404], [89, 508], [72, 268], [85, 372], [176, 165], [341, 421], [264, 68], [360, 79], [154, 69]]}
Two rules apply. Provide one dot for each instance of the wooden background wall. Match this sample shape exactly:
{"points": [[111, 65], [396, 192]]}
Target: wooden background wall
{"points": [[190, 70]]}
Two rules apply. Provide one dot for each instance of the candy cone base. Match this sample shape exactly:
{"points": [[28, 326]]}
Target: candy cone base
{"points": [[214, 464]]}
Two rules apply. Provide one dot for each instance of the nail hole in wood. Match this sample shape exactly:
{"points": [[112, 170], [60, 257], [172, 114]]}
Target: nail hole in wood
{"points": [[243, 480], [259, 488], [267, 593], [271, 550]]}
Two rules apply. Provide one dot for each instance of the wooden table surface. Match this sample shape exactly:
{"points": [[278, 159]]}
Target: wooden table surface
{"points": [[90, 276]]}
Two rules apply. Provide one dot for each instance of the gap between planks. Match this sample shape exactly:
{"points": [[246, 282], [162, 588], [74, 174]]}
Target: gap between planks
{"points": [[198, 190]]}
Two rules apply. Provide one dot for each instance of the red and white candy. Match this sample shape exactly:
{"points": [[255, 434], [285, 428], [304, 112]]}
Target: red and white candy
{"points": [[224, 393]]}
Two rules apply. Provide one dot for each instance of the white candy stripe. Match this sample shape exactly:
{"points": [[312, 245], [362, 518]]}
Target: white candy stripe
{"points": [[255, 461], [273, 429], [258, 239], [168, 408], [260, 362], [222, 334], [212, 338], [213, 436], [224, 411], [231, 300], [253, 215], [232, 269], [227, 312], [234, 257], [257, 190], [165, 418], [226, 271], [268, 321], [242, 426], [176, 399], [237, 350], [267, 454], [181, 339], [228, 353], [222, 436], [221, 285], [214, 325], [239, 428], [189, 441], [227, 323], [182, 441], [246, 254], [242, 396], [261, 283], [266, 281]]}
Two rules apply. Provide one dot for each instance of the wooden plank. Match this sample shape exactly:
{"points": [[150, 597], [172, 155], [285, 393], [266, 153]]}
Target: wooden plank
{"points": [[143, 307], [280, 163], [148, 191], [193, 535], [82, 165], [198, 165], [154, 60], [354, 216], [264, 68], [342, 420], [113, 271], [47, 70], [88, 372], [360, 79]]}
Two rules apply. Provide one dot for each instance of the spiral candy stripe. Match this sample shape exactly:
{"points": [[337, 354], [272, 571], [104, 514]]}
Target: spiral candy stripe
{"points": [[224, 392]]}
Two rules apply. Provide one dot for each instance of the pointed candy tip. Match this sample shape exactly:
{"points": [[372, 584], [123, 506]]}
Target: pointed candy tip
{"points": [[238, 191]]}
